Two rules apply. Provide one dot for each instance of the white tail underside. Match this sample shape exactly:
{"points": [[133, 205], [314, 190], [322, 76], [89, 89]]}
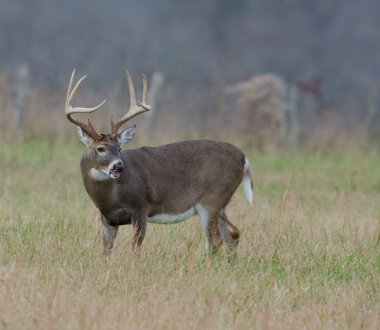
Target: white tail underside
{"points": [[247, 182]]}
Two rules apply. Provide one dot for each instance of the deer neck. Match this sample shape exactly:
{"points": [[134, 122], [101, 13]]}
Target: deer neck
{"points": [[98, 184]]}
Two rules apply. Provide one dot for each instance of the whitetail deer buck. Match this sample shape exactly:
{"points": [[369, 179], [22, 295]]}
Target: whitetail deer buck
{"points": [[166, 184]]}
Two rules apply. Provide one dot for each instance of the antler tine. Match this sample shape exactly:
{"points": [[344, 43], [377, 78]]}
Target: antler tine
{"points": [[132, 94], [145, 94], [71, 95], [69, 89], [134, 109], [69, 110]]}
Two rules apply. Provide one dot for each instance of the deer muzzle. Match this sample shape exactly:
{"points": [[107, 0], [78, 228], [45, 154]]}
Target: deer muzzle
{"points": [[116, 168]]}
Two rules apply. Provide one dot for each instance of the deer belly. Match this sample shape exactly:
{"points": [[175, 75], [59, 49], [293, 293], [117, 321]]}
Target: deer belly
{"points": [[163, 218]]}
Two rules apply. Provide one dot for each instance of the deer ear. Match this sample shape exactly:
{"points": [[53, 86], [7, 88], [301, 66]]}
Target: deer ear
{"points": [[84, 137], [127, 135]]}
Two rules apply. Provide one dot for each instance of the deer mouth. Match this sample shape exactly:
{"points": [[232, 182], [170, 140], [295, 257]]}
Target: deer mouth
{"points": [[115, 169], [115, 174]]}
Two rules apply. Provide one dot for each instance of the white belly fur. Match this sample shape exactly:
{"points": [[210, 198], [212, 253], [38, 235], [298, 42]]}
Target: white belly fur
{"points": [[172, 218]]}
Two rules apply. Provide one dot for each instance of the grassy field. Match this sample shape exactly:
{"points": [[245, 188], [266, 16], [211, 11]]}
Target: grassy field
{"points": [[309, 255]]}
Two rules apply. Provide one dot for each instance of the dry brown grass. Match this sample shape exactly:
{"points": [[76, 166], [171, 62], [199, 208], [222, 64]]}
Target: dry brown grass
{"points": [[309, 255]]}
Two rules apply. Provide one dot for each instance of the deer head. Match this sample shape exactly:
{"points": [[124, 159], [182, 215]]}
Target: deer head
{"points": [[103, 150]]}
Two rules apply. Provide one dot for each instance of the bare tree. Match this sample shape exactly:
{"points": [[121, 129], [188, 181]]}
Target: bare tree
{"points": [[261, 105], [21, 89]]}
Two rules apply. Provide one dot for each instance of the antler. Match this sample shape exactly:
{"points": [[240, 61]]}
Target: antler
{"points": [[69, 110], [134, 109]]}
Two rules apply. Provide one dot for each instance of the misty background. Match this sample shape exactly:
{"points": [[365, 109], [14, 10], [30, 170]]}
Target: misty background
{"points": [[325, 54]]}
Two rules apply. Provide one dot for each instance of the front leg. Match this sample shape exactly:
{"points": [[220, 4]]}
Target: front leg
{"points": [[109, 235], [139, 229]]}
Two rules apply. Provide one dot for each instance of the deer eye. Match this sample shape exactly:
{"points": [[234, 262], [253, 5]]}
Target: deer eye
{"points": [[100, 149]]}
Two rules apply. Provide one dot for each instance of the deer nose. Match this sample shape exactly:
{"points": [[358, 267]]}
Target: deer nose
{"points": [[119, 166]]}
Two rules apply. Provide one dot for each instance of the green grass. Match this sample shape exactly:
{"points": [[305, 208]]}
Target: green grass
{"points": [[309, 255]]}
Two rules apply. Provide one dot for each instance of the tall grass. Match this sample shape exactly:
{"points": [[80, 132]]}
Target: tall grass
{"points": [[309, 256]]}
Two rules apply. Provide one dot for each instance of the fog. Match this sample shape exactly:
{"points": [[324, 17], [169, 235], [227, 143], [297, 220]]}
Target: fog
{"points": [[198, 45]]}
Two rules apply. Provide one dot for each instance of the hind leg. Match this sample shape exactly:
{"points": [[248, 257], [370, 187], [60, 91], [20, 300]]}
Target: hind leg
{"points": [[210, 225], [229, 233]]}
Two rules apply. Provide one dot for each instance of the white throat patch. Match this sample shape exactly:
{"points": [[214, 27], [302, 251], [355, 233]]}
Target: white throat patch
{"points": [[99, 175]]}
